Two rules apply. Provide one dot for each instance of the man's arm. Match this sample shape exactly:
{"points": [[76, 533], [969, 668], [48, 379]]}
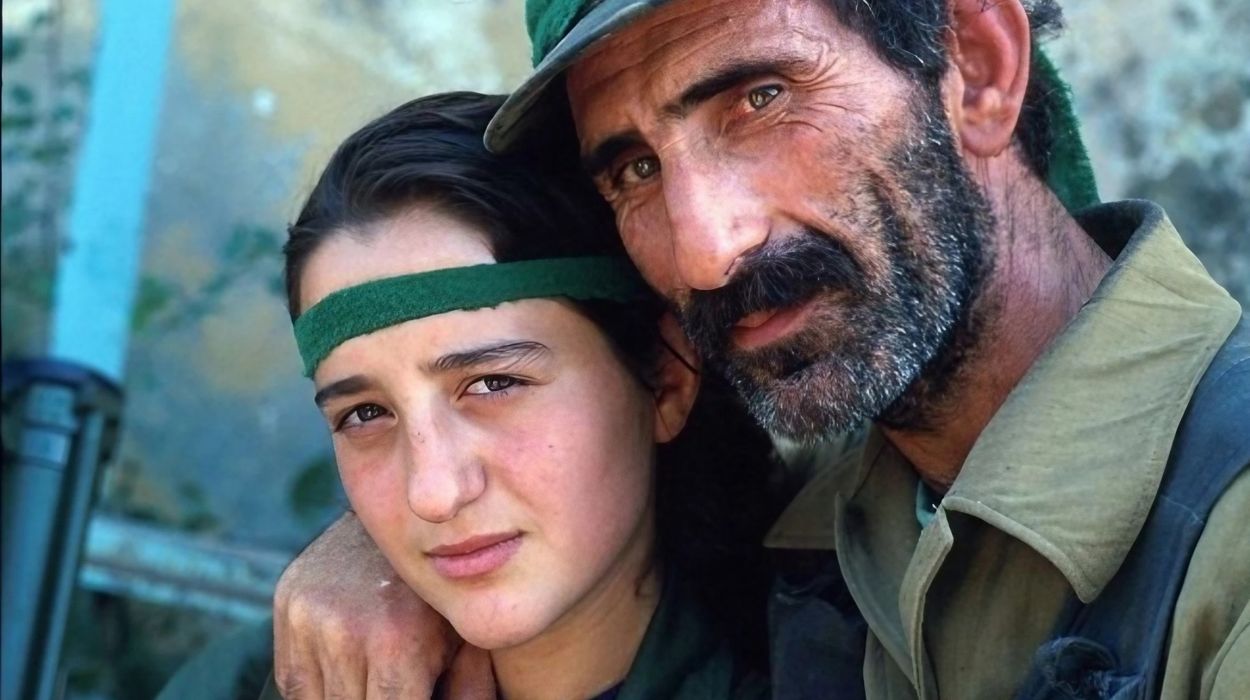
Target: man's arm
{"points": [[346, 626], [1233, 677]]}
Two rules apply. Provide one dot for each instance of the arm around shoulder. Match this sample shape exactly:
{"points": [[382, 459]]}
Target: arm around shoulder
{"points": [[345, 622]]}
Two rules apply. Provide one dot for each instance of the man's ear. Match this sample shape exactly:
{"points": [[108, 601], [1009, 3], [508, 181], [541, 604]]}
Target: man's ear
{"points": [[989, 45], [677, 380]]}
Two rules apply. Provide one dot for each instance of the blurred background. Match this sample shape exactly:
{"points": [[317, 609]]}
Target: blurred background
{"points": [[153, 152]]}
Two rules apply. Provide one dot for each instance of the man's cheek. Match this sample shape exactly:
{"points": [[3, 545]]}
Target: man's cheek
{"points": [[647, 238]]}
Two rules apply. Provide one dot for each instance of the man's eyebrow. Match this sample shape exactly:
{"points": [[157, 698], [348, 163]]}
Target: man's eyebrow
{"points": [[343, 387], [601, 157], [727, 75], [718, 79], [513, 352]]}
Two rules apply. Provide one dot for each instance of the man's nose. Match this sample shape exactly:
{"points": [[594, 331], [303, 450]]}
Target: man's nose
{"points": [[444, 474], [716, 220]]}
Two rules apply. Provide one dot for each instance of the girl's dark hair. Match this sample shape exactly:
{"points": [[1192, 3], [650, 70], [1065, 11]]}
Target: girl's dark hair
{"points": [[712, 482], [429, 151]]}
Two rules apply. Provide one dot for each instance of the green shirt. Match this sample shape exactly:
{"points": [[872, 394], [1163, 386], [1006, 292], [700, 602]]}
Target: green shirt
{"points": [[680, 657], [1051, 497], [683, 659]]}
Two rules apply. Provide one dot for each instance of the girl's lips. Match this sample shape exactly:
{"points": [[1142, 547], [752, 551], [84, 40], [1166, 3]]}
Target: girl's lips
{"points": [[758, 329], [475, 556]]}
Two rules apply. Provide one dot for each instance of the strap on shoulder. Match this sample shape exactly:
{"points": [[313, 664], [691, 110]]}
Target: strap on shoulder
{"points": [[1112, 648]]}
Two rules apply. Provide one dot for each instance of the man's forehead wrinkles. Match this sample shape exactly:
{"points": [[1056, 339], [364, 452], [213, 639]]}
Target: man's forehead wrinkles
{"points": [[672, 23], [623, 84], [652, 49], [697, 20], [645, 41], [688, 50], [671, 142]]}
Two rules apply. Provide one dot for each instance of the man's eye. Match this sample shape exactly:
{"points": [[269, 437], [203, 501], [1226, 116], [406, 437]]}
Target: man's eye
{"points": [[761, 96], [645, 167], [491, 384], [640, 169], [362, 414]]}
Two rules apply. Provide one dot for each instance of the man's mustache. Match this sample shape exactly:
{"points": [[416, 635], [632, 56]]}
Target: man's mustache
{"points": [[774, 277]]}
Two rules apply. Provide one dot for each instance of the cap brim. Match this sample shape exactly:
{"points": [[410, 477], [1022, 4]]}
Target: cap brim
{"points": [[523, 109]]}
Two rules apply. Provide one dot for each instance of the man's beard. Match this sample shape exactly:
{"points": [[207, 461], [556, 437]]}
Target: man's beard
{"points": [[880, 348]]}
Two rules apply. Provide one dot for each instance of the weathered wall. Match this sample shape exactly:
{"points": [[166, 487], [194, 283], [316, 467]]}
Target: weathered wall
{"points": [[258, 96], [1163, 89]]}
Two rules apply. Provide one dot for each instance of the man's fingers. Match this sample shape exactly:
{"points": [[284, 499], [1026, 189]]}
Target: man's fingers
{"points": [[297, 675], [346, 625], [396, 683], [296, 670], [398, 668], [340, 655], [470, 676]]}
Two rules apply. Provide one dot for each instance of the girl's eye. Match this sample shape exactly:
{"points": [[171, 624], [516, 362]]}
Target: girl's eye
{"points": [[760, 97], [491, 384], [362, 414]]}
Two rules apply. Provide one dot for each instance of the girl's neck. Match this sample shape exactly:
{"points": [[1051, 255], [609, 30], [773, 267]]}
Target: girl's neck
{"points": [[591, 647]]}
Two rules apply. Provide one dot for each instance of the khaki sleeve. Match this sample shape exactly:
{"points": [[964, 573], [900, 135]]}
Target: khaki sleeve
{"points": [[1232, 672], [1208, 654]]}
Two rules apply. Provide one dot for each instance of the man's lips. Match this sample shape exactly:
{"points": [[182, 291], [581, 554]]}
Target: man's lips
{"points": [[755, 330], [474, 556]]}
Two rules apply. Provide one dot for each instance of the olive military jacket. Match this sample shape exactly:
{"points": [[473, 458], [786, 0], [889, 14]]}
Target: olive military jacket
{"points": [[1051, 498]]}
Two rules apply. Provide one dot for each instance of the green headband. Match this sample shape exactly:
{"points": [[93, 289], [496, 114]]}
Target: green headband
{"points": [[379, 304]]}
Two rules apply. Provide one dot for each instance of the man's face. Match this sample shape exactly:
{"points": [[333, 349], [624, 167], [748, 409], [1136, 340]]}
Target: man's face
{"points": [[800, 202]]}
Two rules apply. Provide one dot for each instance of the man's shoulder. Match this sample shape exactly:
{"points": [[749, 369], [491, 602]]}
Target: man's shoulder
{"points": [[1213, 607]]}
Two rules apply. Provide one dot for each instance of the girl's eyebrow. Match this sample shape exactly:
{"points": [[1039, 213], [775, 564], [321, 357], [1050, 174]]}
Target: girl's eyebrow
{"points": [[343, 387], [516, 352]]}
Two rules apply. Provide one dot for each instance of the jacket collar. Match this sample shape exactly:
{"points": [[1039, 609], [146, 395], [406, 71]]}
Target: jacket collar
{"points": [[1071, 462]]}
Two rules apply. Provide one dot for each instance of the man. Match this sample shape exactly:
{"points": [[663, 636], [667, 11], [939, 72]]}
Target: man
{"points": [[855, 210]]}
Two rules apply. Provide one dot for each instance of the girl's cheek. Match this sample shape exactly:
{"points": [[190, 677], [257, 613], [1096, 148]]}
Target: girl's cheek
{"points": [[373, 484]]}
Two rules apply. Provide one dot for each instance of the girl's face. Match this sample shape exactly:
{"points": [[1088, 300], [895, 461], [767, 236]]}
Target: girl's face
{"points": [[501, 458]]}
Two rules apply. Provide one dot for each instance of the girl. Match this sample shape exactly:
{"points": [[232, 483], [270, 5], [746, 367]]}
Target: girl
{"points": [[516, 426]]}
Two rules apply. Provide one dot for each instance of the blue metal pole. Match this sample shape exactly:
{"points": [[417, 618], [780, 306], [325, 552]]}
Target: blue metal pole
{"points": [[98, 273]]}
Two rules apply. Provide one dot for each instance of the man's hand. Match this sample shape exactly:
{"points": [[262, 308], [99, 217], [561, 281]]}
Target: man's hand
{"points": [[346, 626]]}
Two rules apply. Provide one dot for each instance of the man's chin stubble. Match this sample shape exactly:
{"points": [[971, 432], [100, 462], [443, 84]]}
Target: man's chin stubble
{"points": [[806, 390]]}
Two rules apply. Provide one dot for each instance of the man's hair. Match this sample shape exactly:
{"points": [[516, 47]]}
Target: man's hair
{"points": [[909, 35]]}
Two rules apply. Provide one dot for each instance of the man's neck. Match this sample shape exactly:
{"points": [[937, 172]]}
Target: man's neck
{"points": [[1046, 268], [591, 647]]}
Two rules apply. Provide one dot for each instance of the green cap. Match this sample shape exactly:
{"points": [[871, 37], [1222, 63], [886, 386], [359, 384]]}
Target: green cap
{"points": [[547, 21], [561, 31]]}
